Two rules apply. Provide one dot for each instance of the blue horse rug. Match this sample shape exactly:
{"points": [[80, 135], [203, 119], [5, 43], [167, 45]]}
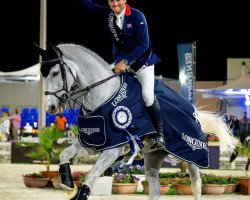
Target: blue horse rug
{"points": [[125, 114]]}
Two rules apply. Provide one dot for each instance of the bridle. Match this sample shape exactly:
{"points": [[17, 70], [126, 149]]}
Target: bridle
{"points": [[69, 93], [63, 99]]}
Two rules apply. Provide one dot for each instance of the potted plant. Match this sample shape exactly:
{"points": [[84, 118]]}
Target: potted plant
{"points": [[231, 184], [47, 150], [164, 186], [73, 129], [183, 186], [136, 170], [124, 184], [35, 180], [244, 182], [56, 183], [213, 185], [78, 177]]}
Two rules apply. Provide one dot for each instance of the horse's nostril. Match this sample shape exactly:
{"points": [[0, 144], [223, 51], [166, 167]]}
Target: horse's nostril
{"points": [[52, 107]]}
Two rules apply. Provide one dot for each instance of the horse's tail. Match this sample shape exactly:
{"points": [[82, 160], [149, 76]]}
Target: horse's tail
{"points": [[214, 124]]}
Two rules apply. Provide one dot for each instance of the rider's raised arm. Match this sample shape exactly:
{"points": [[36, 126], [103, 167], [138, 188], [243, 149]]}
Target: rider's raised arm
{"points": [[90, 5]]}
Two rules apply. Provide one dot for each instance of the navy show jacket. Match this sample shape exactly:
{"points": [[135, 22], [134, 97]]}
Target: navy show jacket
{"points": [[133, 43]]}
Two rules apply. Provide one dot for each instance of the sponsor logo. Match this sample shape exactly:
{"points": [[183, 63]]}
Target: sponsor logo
{"points": [[122, 94], [89, 131], [112, 28], [121, 117], [189, 75], [194, 143]]}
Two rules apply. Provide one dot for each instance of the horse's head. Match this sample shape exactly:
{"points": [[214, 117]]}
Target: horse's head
{"points": [[58, 77]]}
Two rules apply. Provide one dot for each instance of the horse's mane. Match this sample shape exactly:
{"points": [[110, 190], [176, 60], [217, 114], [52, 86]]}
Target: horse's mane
{"points": [[80, 55]]}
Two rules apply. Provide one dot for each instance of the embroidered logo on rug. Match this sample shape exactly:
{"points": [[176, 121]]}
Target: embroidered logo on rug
{"points": [[89, 131], [121, 117], [122, 94], [194, 143]]}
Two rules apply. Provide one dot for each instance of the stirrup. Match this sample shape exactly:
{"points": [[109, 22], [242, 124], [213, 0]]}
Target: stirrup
{"points": [[159, 144]]}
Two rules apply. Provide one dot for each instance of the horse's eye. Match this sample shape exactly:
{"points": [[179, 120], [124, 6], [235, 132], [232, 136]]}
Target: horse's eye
{"points": [[54, 74]]}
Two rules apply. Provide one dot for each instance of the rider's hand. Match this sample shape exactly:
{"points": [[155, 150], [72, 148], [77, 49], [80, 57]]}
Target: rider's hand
{"points": [[120, 67]]}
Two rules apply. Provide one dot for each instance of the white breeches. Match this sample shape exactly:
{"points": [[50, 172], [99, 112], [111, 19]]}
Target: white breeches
{"points": [[146, 77]]}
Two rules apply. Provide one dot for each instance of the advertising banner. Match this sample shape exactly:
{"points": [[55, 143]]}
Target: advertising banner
{"points": [[187, 70]]}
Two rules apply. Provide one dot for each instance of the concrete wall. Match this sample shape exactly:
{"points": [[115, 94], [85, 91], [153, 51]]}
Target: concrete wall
{"points": [[18, 95]]}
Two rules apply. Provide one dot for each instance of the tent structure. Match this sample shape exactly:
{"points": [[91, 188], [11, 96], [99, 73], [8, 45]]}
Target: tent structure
{"points": [[26, 75], [239, 88], [235, 93]]}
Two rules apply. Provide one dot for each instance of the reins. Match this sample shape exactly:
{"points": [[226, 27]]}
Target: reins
{"points": [[88, 88]]}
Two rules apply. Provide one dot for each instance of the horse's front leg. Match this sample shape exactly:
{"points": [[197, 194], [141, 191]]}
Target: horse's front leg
{"points": [[105, 160], [152, 162], [64, 166], [194, 173]]}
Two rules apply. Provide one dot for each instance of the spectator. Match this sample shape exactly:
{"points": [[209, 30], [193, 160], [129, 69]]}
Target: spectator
{"points": [[5, 127], [16, 124], [61, 122], [236, 126], [244, 121]]}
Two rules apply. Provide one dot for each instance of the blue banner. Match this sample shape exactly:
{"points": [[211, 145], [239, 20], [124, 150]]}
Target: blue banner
{"points": [[187, 74]]}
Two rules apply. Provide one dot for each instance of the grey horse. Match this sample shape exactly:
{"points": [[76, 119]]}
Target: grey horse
{"points": [[67, 64]]}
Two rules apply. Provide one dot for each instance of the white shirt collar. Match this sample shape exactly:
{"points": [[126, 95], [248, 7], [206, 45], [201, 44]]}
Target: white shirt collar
{"points": [[121, 15]]}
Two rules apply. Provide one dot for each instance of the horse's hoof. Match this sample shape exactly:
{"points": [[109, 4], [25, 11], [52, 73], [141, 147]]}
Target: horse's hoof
{"points": [[83, 193], [70, 193]]}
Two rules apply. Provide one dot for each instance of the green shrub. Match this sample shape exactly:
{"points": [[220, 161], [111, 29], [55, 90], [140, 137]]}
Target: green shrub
{"points": [[212, 179]]}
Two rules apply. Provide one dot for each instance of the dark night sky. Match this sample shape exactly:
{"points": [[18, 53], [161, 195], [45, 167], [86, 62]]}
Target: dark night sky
{"points": [[220, 32]]}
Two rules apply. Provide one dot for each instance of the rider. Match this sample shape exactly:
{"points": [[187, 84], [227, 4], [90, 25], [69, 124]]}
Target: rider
{"points": [[132, 49]]}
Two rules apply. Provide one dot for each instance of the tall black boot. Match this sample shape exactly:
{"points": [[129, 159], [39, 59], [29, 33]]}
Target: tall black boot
{"points": [[66, 177], [154, 112]]}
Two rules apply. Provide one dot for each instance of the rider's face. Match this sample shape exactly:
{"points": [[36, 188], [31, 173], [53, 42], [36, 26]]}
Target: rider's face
{"points": [[117, 6]]}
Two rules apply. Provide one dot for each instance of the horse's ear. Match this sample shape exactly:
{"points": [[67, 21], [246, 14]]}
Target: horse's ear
{"points": [[54, 50], [39, 50]]}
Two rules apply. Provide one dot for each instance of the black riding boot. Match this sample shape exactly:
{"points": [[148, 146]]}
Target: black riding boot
{"points": [[154, 112], [83, 193], [66, 177]]}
